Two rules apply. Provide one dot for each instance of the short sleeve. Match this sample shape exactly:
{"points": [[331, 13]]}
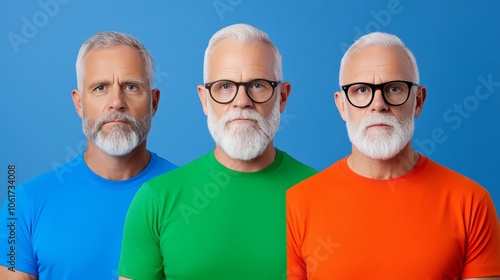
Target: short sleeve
{"points": [[483, 241], [16, 248], [296, 268], [141, 257]]}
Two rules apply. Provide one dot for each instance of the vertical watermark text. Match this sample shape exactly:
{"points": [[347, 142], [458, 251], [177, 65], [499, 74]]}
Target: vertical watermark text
{"points": [[11, 218]]}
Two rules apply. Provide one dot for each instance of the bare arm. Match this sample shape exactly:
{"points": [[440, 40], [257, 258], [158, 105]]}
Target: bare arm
{"points": [[7, 274], [123, 278]]}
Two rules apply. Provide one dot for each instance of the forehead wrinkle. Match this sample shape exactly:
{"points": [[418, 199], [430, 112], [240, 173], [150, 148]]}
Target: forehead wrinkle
{"points": [[239, 62], [378, 75], [375, 64], [113, 63]]}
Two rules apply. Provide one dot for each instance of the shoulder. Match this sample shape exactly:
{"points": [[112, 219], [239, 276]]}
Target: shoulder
{"points": [[160, 163], [292, 163], [176, 173], [52, 180], [439, 173], [317, 183], [172, 185]]}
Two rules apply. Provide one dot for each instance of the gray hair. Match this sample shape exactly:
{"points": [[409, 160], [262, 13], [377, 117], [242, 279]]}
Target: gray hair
{"points": [[112, 39], [243, 34], [379, 39]]}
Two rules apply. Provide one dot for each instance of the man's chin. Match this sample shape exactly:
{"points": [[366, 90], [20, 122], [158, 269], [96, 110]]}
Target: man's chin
{"points": [[115, 127], [241, 126], [243, 157], [378, 134], [112, 151]]}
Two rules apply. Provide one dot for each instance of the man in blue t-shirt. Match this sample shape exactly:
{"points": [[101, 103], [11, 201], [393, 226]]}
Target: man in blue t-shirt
{"points": [[68, 223]]}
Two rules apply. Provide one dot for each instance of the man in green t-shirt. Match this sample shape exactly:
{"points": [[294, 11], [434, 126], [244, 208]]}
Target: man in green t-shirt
{"points": [[222, 216]]}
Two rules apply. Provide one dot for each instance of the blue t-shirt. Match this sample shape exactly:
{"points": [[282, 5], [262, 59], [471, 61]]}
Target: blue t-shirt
{"points": [[68, 223]]}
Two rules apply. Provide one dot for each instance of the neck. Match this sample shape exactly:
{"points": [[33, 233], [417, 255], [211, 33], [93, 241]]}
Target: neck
{"points": [[256, 164], [116, 167], [394, 167]]}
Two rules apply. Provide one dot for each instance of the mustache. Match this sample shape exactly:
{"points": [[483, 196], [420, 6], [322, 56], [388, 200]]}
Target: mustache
{"points": [[114, 116], [380, 119], [241, 114]]}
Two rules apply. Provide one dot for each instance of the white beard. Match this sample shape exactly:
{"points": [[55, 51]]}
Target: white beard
{"points": [[380, 144], [243, 141], [119, 140]]}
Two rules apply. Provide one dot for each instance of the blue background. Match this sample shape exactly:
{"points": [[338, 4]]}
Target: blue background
{"points": [[456, 44]]}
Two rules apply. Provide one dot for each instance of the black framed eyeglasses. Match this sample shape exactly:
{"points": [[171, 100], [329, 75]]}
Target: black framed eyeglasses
{"points": [[258, 90], [395, 93]]}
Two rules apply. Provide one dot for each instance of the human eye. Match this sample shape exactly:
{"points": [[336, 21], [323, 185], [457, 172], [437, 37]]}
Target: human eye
{"points": [[360, 89], [396, 88], [99, 88], [223, 86], [259, 85], [131, 88]]}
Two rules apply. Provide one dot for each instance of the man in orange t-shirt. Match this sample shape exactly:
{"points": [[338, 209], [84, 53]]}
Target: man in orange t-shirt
{"points": [[385, 211]]}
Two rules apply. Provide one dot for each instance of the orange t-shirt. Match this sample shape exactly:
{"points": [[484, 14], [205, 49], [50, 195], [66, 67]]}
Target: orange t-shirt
{"points": [[431, 223]]}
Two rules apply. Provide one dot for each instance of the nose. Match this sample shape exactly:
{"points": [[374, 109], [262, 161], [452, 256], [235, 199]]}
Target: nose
{"points": [[378, 104], [117, 99], [241, 99]]}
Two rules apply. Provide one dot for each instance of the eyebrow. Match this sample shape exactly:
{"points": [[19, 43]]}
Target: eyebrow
{"points": [[133, 81], [124, 82], [97, 83]]}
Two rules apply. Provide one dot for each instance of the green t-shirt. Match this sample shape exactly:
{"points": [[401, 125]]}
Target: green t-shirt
{"points": [[205, 221]]}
